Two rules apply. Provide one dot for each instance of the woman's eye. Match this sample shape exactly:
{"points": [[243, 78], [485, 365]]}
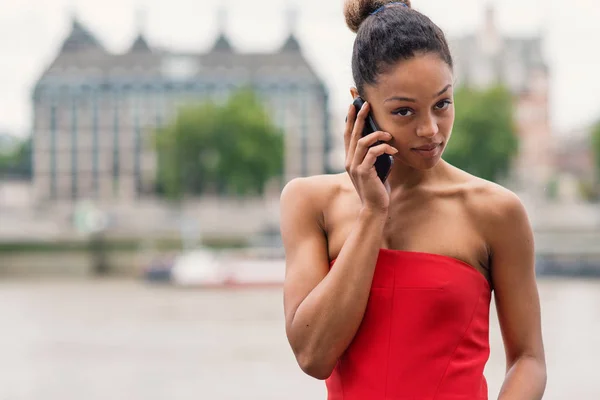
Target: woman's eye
{"points": [[443, 104], [404, 112]]}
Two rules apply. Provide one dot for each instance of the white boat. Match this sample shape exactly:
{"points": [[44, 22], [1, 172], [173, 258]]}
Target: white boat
{"points": [[210, 268], [197, 267]]}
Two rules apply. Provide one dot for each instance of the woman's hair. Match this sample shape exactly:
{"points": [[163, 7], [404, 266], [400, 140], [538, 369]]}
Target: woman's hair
{"points": [[389, 31]]}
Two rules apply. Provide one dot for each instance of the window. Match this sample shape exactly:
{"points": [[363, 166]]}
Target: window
{"points": [[74, 148], [53, 151], [95, 145]]}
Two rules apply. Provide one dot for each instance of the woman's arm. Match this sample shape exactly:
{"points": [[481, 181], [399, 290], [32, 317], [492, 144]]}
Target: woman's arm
{"points": [[517, 299], [324, 309]]}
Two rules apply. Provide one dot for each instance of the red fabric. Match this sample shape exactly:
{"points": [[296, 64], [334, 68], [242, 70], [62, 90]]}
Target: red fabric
{"points": [[424, 335]]}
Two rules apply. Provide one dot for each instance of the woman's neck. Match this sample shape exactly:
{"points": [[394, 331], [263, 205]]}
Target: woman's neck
{"points": [[403, 177]]}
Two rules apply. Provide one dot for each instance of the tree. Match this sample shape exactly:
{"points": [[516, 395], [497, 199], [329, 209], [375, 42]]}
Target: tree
{"points": [[231, 149], [483, 141], [596, 149], [17, 161]]}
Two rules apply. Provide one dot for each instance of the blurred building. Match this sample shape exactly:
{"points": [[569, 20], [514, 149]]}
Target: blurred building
{"points": [[485, 58], [93, 110], [573, 154]]}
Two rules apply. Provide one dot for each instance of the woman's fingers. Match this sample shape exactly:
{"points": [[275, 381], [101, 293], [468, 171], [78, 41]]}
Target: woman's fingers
{"points": [[364, 144], [356, 134], [375, 152]]}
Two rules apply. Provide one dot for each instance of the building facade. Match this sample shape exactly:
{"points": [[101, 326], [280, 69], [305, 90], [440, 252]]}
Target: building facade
{"points": [[486, 58], [94, 111], [574, 155]]}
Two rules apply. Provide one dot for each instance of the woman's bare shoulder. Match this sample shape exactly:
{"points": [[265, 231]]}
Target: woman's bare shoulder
{"points": [[302, 224], [492, 199], [314, 191], [497, 209]]}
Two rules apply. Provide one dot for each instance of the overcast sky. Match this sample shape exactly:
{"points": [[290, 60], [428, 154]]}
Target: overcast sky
{"points": [[31, 32]]}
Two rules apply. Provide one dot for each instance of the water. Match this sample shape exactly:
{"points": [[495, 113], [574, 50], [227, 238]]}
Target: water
{"points": [[127, 340]]}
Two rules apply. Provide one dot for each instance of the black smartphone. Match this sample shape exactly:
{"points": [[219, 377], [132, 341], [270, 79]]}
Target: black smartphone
{"points": [[384, 162]]}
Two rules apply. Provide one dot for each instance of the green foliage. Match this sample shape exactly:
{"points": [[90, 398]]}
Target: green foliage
{"points": [[552, 188], [483, 141], [596, 149], [115, 245], [18, 160], [589, 190], [230, 149]]}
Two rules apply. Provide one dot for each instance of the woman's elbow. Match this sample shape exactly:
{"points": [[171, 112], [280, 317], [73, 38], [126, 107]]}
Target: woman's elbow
{"points": [[315, 366]]}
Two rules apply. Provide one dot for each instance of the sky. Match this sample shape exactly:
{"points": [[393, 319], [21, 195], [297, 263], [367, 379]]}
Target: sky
{"points": [[31, 32]]}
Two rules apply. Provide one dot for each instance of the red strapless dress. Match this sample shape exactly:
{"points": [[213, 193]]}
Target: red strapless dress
{"points": [[424, 335]]}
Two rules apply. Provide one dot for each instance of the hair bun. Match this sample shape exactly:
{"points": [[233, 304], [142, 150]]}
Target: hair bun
{"points": [[356, 11]]}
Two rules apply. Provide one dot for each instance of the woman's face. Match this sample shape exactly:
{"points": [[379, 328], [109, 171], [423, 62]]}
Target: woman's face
{"points": [[413, 101]]}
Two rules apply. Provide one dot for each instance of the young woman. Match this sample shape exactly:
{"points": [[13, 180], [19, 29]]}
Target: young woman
{"points": [[388, 285]]}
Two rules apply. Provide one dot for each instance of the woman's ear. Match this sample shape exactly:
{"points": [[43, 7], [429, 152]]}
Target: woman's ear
{"points": [[353, 92]]}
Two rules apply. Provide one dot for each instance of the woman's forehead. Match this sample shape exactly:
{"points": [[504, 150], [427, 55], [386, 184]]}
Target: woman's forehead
{"points": [[423, 75]]}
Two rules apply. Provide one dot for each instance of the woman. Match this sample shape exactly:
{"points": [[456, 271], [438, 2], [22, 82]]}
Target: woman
{"points": [[388, 286]]}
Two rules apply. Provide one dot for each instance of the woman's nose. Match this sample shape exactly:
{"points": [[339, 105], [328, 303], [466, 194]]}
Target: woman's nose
{"points": [[427, 127]]}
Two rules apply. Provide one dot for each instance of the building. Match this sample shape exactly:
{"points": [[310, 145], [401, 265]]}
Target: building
{"points": [[93, 110], [575, 165], [485, 58]]}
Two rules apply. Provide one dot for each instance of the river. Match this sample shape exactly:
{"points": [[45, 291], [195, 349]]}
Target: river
{"points": [[119, 339]]}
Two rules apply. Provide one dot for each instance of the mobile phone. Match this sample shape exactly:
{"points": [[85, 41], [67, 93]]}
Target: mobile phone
{"points": [[384, 162]]}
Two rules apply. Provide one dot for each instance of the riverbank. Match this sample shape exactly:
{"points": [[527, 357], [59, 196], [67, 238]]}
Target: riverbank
{"points": [[560, 254]]}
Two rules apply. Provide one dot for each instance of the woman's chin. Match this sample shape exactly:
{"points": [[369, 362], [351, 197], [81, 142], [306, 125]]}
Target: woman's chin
{"points": [[425, 164], [418, 164]]}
